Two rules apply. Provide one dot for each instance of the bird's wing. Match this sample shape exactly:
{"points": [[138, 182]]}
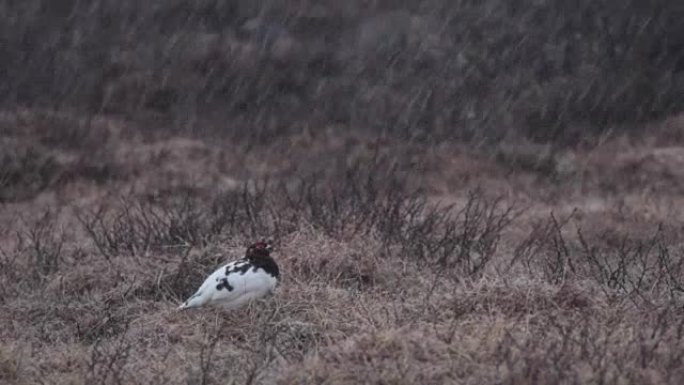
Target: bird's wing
{"points": [[214, 287], [221, 283], [254, 280], [233, 284]]}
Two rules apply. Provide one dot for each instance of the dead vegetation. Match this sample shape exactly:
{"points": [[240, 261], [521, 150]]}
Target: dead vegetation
{"points": [[385, 280], [426, 71], [459, 192]]}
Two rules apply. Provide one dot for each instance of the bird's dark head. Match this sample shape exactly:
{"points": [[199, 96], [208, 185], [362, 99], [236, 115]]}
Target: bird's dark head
{"points": [[259, 249]]}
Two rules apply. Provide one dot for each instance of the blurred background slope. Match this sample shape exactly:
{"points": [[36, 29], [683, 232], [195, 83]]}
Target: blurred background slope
{"points": [[548, 70]]}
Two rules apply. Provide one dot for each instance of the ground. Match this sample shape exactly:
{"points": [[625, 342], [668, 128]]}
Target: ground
{"points": [[459, 192], [402, 262]]}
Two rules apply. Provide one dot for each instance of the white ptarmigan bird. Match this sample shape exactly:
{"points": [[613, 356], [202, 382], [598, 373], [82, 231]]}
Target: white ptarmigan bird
{"points": [[239, 282]]}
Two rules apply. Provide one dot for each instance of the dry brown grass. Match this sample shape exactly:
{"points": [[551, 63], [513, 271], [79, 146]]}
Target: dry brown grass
{"points": [[467, 192], [401, 264]]}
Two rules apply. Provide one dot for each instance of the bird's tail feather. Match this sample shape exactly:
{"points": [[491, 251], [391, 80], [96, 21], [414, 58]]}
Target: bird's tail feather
{"points": [[194, 301]]}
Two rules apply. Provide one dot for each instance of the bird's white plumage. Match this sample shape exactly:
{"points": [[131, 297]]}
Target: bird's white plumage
{"points": [[234, 285]]}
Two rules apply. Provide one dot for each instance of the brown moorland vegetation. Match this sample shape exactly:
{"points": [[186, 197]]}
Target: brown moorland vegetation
{"points": [[459, 192]]}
